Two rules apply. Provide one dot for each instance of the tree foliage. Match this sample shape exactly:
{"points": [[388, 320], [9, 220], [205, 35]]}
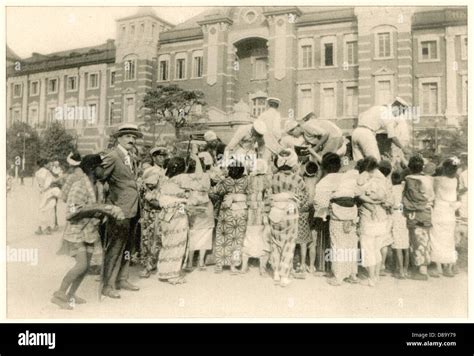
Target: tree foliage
{"points": [[15, 135], [56, 143], [174, 105]]}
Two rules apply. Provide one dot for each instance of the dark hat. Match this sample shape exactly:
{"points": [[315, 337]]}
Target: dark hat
{"points": [[90, 162], [126, 129]]}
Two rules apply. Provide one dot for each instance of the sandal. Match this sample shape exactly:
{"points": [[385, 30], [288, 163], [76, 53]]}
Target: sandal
{"points": [[176, 281], [353, 280], [202, 267], [334, 282]]}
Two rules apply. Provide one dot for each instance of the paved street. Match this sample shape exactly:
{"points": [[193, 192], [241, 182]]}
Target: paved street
{"points": [[29, 287]]}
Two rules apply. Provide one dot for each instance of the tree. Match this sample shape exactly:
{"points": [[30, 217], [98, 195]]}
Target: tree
{"points": [[174, 105], [56, 143], [22, 138]]}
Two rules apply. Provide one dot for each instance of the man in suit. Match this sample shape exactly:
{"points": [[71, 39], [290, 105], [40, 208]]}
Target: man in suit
{"points": [[123, 192]]}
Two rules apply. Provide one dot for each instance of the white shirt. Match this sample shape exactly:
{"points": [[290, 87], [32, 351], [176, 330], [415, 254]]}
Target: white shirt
{"points": [[378, 117], [128, 158], [272, 119]]}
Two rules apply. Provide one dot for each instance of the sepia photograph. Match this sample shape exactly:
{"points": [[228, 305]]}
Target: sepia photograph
{"points": [[296, 162]]}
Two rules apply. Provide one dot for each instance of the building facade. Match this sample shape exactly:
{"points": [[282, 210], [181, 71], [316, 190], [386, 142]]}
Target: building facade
{"points": [[336, 62]]}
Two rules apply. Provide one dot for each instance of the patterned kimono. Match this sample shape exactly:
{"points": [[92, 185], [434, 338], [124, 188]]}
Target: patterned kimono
{"points": [[232, 221], [150, 242], [174, 224], [257, 238], [80, 235], [289, 196], [417, 202]]}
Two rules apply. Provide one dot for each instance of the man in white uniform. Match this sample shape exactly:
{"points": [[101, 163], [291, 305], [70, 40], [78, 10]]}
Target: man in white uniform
{"points": [[272, 119], [378, 117], [242, 145]]}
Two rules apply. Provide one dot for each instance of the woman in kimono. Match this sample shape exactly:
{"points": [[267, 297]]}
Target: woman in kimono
{"points": [[174, 201], [82, 229], [342, 225], [289, 196], [201, 216], [443, 241], [375, 199], [417, 203], [257, 237], [150, 242], [232, 220]]}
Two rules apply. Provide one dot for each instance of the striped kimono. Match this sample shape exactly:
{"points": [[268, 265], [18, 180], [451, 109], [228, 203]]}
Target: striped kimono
{"points": [[174, 223], [289, 196]]}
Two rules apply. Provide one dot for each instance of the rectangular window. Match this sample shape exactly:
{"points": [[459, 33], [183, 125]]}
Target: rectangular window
{"points": [[34, 88], [132, 32], [129, 67], [16, 114], [110, 113], [260, 68], [32, 116], [464, 47], [328, 54], [429, 104], [329, 103], [258, 106], [91, 115], [51, 114], [93, 82], [464, 94], [352, 101], [52, 86], [153, 30], [384, 92], [181, 68], [198, 67], [16, 90], [164, 69], [429, 50], [307, 56], [112, 78], [351, 52], [71, 83], [306, 101], [384, 45], [130, 109]]}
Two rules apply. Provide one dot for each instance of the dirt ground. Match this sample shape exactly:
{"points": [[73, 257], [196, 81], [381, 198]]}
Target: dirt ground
{"points": [[206, 294]]}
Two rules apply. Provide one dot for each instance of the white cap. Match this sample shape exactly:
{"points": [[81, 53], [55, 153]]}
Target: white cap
{"points": [[290, 125], [210, 136], [275, 100], [260, 127]]}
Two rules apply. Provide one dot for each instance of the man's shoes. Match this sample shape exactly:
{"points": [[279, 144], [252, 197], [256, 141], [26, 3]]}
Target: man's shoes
{"points": [[74, 299], [111, 293], [126, 285]]}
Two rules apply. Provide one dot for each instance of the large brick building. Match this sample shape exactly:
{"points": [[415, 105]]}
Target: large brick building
{"points": [[336, 62]]}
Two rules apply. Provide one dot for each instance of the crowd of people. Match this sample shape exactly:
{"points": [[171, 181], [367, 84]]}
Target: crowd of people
{"points": [[285, 196]]}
